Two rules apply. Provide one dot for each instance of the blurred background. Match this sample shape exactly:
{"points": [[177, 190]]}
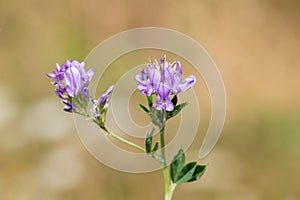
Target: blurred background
{"points": [[255, 44]]}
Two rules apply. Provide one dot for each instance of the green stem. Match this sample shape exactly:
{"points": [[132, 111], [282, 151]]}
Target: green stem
{"points": [[124, 140], [163, 155], [172, 188], [168, 188], [155, 156]]}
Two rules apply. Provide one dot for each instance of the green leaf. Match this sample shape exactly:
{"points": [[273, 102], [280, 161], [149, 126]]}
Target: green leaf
{"points": [[144, 108], [150, 101], [186, 173], [199, 171], [155, 147], [148, 141], [177, 110], [177, 165]]}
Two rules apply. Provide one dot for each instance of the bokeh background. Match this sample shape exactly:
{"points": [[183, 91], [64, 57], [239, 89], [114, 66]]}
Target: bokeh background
{"points": [[256, 45]]}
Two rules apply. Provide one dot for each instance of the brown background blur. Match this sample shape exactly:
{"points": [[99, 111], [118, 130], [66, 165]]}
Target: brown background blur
{"points": [[256, 45]]}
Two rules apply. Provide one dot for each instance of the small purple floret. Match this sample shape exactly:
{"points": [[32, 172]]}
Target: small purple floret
{"points": [[164, 98], [77, 78], [104, 98], [68, 106], [71, 81]]}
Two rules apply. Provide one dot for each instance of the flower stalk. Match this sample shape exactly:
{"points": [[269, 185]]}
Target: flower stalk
{"points": [[123, 140]]}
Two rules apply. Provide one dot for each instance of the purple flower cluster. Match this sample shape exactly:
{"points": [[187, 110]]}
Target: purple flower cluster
{"points": [[165, 80], [72, 82]]}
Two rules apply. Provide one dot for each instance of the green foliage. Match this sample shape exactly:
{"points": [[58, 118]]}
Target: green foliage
{"points": [[148, 143], [150, 104], [181, 172], [199, 171], [144, 108], [186, 173], [150, 101], [155, 147], [157, 116], [176, 110], [177, 165]]}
